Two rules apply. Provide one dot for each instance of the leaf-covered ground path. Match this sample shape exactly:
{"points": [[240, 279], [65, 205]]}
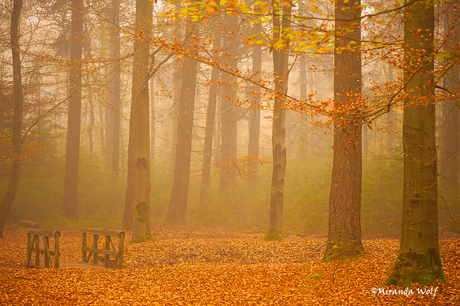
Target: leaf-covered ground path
{"points": [[218, 267]]}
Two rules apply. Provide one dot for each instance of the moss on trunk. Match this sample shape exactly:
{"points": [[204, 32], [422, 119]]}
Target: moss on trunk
{"points": [[273, 235], [413, 267], [340, 250]]}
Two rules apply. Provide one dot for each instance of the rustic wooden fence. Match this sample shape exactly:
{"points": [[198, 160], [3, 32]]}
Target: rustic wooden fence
{"points": [[33, 245], [108, 243]]}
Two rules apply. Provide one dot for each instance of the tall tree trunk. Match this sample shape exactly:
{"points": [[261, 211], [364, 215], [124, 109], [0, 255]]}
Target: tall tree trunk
{"points": [[344, 233], [17, 117], [418, 260], [228, 151], [72, 153], [137, 204], [179, 196], [114, 88], [208, 135], [449, 147], [303, 84], [254, 113], [152, 121], [281, 21]]}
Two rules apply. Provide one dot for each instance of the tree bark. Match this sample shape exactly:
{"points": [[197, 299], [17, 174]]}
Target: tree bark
{"points": [[209, 132], [179, 196], [418, 260], [281, 20], [137, 204], [344, 232], [114, 88], [449, 147], [74, 112], [17, 117], [254, 113], [228, 153]]}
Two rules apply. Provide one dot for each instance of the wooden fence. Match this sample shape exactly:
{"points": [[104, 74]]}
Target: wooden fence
{"points": [[108, 243], [33, 244]]}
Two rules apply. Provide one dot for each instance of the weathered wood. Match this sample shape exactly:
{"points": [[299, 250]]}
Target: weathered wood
{"points": [[108, 239], [100, 251], [93, 251], [95, 239], [29, 224], [83, 243], [57, 236], [99, 232], [121, 249], [37, 250], [33, 245], [41, 232], [46, 251]]}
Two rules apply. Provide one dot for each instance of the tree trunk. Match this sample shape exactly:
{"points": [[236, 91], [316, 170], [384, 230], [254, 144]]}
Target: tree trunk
{"points": [[210, 122], [17, 117], [228, 152], [281, 20], [179, 196], [152, 121], [418, 260], [137, 202], [344, 232], [449, 147], [114, 89], [254, 113], [72, 154]]}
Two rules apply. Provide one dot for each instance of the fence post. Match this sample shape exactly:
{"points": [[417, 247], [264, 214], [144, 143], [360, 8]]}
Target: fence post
{"points": [[121, 250], [57, 236], [46, 242], [107, 247], [95, 239], [83, 243], [37, 250]]}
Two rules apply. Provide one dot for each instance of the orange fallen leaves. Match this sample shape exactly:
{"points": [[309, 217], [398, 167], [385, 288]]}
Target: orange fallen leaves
{"points": [[215, 267]]}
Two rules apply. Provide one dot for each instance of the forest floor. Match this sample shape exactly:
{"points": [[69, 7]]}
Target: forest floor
{"points": [[218, 267]]}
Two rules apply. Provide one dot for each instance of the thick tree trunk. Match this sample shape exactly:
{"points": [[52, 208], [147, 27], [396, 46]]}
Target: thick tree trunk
{"points": [[138, 185], [449, 147], [179, 196], [72, 154], [209, 132], [280, 63], [114, 89], [418, 260], [228, 152], [17, 117], [344, 233], [254, 113]]}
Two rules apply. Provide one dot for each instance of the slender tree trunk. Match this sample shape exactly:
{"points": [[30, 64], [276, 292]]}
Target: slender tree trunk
{"points": [[74, 113], [17, 117], [254, 113], [228, 151], [114, 89], [281, 20], [418, 260], [303, 84], [344, 234], [210, 122], [152, 121], [179, 196], [137, 204]]}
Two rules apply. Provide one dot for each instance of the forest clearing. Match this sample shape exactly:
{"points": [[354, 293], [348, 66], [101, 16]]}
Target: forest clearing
{"points": [[220, 267]]}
